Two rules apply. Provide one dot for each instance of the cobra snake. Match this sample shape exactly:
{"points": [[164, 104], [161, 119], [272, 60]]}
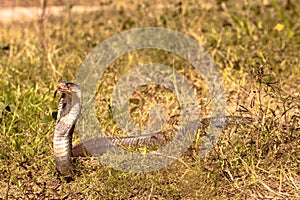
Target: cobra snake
{"points": [[69, 109]]}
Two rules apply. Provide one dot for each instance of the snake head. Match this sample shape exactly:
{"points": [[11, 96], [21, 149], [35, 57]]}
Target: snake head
{"points": [[66, 87]]}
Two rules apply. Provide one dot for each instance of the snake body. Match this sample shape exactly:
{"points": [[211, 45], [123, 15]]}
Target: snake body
{"points": [[69, 109]]}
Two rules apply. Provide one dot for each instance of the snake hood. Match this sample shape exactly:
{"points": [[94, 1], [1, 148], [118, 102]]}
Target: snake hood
{"points": [[69, 108]]}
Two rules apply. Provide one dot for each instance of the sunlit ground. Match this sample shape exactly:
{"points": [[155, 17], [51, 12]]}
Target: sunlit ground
{"points": [[254, 44]]}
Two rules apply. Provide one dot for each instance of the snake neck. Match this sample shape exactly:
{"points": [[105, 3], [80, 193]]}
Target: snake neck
{"points": [[68, 113]]}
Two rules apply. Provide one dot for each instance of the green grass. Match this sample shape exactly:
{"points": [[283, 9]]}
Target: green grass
{"points": [[254, 44]]}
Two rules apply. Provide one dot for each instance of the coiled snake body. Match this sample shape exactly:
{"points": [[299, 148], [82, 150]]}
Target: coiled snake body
{"points": [[69, 108]]}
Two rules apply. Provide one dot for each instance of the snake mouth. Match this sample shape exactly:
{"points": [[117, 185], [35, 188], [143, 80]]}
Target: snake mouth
{"points": [[61, 87]]}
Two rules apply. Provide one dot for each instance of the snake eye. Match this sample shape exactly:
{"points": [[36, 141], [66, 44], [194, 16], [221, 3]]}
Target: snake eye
{"points": [[68, 84]]}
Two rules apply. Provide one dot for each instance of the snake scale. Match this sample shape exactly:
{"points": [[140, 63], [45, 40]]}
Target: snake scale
{"points": [[69, 109]]}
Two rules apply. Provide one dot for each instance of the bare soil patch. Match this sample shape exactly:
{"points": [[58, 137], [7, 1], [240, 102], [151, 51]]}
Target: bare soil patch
{"points": [[11, 14]]}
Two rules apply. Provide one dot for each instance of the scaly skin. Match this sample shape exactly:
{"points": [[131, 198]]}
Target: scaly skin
{"points": [[69, 109]]}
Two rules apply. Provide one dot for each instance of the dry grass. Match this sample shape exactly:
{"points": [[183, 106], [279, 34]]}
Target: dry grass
{"points": [[254, 44]]}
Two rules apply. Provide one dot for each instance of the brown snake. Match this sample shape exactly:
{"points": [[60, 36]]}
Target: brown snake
{"points": [[69, 109]]}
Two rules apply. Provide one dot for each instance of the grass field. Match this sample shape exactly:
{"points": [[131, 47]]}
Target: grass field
{"points": [[256, 46]]}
